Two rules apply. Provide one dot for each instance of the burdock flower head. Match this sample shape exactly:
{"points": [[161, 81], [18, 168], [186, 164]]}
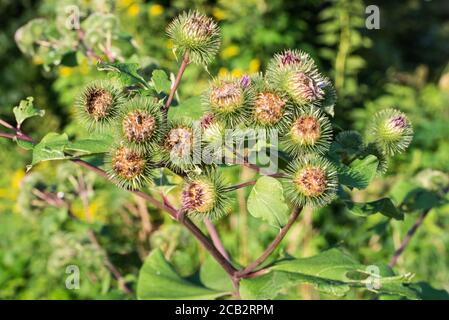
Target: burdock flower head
{"points": [[391, 131], [195, 34], [228, 100], [295, 73], [204, 196], [310, 131], [141, 123], [178, 146], [312, 181], [98, 105], [129, 168], [270, 108]]}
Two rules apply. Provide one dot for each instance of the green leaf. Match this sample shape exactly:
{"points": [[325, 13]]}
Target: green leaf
{"points": [[360, 173], [25, 144], [51, 147], [127, 73], [332, 272], [160, 81], [26, 110], [213, 276], [383, 206], [190, 108], [266, 201], [158, 280], [89, 146]]}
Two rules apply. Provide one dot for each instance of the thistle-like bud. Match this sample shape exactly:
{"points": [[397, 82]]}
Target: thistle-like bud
{"points": [[178, 146], [195, 34], [270, 108], [141, 124], [204, 196], [128, 168], [310, 131], [228, 101], [312, 181], [98, 105], [392, 131], [295, 73]]}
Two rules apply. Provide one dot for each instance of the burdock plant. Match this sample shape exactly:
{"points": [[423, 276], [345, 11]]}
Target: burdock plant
{"points": [[391, 131], [309, 131], [270, 108], [140, 123], [204, 196], [292, 100], [228, 99], [99, 105], [129, 168], [195, 34], [312, 181]]}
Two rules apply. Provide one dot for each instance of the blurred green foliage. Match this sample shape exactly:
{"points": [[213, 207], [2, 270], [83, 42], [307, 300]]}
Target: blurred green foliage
{"points": [[402, 65]]}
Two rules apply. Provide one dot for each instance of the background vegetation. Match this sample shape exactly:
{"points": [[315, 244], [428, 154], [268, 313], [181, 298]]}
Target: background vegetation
{"points": [[402, 65]]}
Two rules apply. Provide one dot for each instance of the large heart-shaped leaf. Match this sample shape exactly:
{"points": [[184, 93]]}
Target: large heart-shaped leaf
{"points": [[158, 280], [332, 272], [266, 201]]}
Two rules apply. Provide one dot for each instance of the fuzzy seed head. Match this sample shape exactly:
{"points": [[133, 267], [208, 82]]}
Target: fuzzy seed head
{"points": [[179, 142], [304, 88], [198, 196], [98, 103], [138, 126], [311, 181], [227, 96], [195, 34], [306, 130], [268, 108], [128, 164]]}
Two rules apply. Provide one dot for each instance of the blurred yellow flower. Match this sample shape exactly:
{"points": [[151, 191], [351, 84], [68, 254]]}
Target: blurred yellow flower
{"points": [[223, 72], [230, 52], [156, 10], [124, 3], [37, 60], [17, 179], [237, 72], [65, 71], [218, 14], [169, 44], [133, 10], [254, 66]]}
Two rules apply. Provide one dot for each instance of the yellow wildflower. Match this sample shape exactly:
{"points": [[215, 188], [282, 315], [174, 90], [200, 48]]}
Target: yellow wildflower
{"points": [[237, 72], [156, 10], [223, 72], [218, 14], [37, 60], [133, 10], [254, 66], [65, 71], [230, 52]]}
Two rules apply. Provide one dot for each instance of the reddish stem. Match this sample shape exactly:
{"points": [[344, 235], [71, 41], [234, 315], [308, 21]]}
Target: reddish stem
{"points": [[185, 62], [243, 273]]}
